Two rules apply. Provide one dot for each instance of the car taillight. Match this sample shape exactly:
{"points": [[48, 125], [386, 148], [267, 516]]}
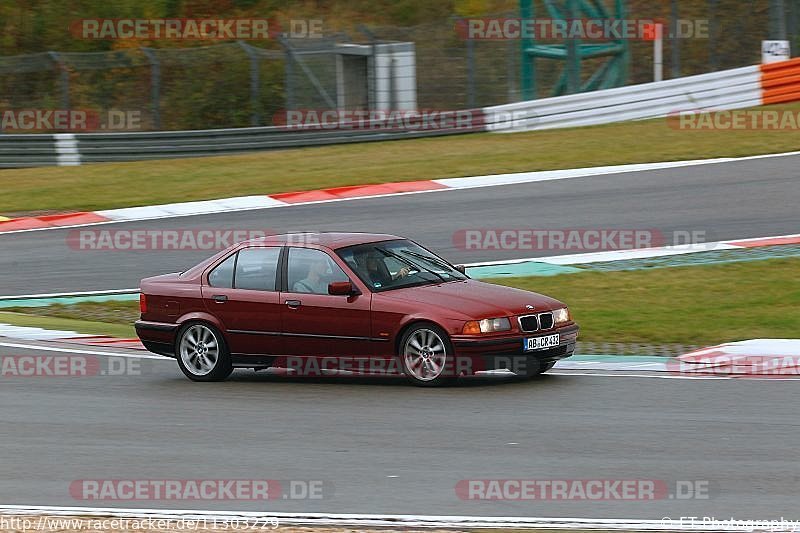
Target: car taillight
{"points": [[142, 303]]}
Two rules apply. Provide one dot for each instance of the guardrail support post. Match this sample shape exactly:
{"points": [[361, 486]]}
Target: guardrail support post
{"points": [[470, 73], [155, 86], [255, 83], [676, 42], [64, 77]]}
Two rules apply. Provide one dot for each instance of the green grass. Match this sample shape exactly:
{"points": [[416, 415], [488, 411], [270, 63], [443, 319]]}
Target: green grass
{"points": [[702, 305], [699, 305], [108, 185]]}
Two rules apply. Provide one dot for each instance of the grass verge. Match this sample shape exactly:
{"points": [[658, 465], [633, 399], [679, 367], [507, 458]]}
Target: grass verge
{"points": [[693, 305], [702, 304], [77, 323], [108, 185]]}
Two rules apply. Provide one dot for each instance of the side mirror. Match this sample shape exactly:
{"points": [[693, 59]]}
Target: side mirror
{"points": [[341, 288], [461, 268]]}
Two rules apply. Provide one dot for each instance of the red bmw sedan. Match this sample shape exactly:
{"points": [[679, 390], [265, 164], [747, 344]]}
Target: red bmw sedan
{"points": [[319, 302]]}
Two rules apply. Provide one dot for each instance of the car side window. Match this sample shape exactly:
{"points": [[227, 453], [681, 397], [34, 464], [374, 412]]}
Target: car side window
{"points": [[257, 269], [310, 271], [222, 275]]}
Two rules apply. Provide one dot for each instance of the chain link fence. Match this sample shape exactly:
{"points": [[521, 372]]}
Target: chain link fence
{"points": [[237, 84]]}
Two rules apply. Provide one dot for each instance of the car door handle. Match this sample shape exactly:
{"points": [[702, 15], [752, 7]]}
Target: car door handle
{"points": [[220, 298], [293, 304]]}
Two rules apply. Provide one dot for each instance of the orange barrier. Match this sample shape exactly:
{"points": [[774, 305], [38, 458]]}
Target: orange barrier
{"points": [[780, 82]]}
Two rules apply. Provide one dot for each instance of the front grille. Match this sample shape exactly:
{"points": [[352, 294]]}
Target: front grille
{"points": [[529, 323]]}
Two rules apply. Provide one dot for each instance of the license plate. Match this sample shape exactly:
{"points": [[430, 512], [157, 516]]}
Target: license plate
{"points": [[540, 343]]}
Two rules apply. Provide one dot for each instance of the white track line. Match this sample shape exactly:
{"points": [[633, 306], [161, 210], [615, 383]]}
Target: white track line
{"points": [[618, 374], [82, 351], [387, 521], [452, 184], [110, 292]]}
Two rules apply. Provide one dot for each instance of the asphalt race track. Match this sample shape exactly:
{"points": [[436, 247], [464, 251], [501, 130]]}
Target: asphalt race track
{"points": [[381, 446], [752, 198]]}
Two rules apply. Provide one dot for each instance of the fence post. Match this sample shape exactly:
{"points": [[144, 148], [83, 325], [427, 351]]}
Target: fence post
{"points": [[777, 20], [255, 83], [155, 86], [310, 75], [64, 75], [470, 72], [573, 58], [712, 37], [676, 42]]}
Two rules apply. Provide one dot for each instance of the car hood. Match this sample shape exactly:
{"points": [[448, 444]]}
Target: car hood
{"points": [[476, 299]]}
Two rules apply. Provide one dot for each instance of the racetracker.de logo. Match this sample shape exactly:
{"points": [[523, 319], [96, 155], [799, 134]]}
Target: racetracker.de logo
{"points": [[30, 120], [198, 489], [574, 239], [380, 119], [720, 364], [67, 366], [580, 489], [735, 120], [175, 29], [176, 239], [601, 29]]}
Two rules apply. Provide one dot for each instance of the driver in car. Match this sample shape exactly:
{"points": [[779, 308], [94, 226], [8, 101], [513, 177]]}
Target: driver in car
{"points": [[372, 263]]}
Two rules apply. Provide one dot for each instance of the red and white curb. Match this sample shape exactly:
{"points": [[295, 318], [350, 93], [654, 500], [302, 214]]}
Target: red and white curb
{"points": [[404, 522], [29, 333], [756, 358], [245, 203]]}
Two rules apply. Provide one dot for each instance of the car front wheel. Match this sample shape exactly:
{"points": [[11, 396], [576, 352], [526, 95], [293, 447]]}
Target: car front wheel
{"points": [[426, 356], [202, 353]]}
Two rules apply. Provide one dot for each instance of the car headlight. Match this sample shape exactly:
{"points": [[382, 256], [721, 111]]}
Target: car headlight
{"points": [[487, 325], [561, 316]]}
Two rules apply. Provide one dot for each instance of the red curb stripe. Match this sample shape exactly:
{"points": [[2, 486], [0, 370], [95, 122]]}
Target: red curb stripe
{"points": [[102, 340], [357, 191], [22, 223], [49, 221], [69, 219], [765, 242]]}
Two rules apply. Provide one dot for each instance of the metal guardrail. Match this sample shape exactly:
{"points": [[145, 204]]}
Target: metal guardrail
{"points": [[70, 149], [160, 145], [728, 89], [724, 90], [27, 151]]}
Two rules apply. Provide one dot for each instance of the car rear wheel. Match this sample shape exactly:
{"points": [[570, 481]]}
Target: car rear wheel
{"points": [[202, 353], [426, 355]]}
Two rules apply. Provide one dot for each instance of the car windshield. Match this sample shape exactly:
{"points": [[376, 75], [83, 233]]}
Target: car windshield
{"points": [[396, 264]]}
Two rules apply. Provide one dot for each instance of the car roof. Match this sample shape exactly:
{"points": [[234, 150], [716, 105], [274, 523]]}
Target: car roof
{"points": [[332, 240]]}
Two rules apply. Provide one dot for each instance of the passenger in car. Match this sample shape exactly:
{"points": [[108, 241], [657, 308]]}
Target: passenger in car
{"points": [[315, 282]]}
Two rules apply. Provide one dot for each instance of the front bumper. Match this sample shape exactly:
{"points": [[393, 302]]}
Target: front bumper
{"points": [[506, 351]]}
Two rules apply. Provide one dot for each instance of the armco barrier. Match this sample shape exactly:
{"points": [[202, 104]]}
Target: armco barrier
{"points": [[781, 82], [729, 89], [74, 149], [27, 150]]}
